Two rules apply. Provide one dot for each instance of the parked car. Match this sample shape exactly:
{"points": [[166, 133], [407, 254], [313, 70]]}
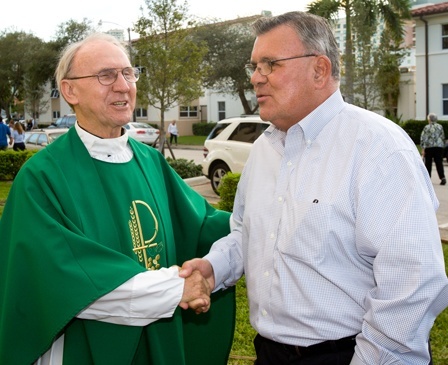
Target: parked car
{"points": [[40, 138], [228, 145], [66, 121], [142, 132]]}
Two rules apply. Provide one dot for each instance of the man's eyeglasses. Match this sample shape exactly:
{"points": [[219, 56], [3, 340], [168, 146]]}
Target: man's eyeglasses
{"points": [[109, 76], [264, 67]]}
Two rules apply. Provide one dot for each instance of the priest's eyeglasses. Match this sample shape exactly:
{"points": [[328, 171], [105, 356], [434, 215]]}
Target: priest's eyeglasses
{"points": [[109, 76], [264, 67]]}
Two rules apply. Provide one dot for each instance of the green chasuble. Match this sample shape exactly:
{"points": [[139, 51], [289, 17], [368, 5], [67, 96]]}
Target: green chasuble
{"points": [[74, 229]]}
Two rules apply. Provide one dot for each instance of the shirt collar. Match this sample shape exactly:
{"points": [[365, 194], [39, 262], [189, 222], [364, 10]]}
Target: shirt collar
{"points": [[314, 122], [106, 149]]}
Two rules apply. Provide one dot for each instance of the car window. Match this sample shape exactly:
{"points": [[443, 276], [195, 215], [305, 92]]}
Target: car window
{"points": [[217, 130], [141, 125], [246, 132], [42, 138], [33, 138]]}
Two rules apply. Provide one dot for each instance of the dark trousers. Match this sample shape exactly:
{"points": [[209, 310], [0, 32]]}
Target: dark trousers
{"points": [[19, 146], [436, 154], [339, 352], [173, 137]]}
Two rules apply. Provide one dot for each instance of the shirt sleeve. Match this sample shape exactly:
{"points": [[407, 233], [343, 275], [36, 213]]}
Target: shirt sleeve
{"points": [[141, 300], [397, 232]]}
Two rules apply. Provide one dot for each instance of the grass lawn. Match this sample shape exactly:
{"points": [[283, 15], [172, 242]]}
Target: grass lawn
{"points": [[243, 353], [191, 140]]}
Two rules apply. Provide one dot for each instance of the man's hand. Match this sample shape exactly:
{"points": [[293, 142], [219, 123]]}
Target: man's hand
{"points": [[203, 266], [196, 295]]}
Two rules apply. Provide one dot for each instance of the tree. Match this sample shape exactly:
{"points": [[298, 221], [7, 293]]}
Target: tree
{"points": [[171, 60], [18, 51], [393, 12], [229, 48], [388, 61]]}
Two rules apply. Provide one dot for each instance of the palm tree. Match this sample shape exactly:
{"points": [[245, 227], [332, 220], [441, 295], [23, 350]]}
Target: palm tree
{"points": [[393, 12]]}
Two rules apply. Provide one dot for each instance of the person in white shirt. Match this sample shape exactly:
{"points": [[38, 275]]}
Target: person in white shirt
{"points": [[174, 133], [334, 223]]}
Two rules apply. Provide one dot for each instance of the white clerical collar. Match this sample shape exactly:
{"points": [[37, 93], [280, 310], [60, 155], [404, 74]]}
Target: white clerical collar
{"points": [[114, 150]]}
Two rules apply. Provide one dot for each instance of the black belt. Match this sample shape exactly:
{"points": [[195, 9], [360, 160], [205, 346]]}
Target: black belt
{"points": [[330, 346]]}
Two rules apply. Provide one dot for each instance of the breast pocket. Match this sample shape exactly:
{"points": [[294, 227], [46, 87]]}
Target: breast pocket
{"points": [[305, 231]]}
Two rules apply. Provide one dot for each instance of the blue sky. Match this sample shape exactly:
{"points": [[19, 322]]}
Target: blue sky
{"points": [[43, 17]]}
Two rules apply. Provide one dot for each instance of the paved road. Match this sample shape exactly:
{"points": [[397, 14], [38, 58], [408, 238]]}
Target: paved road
{"points": [[202, 185]]}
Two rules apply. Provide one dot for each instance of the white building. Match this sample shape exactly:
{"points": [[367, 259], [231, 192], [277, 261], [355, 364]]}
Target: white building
{"points": [[431, 41]]}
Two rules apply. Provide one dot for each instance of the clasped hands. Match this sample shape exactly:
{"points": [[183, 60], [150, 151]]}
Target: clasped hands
{"points": [[199, 282]]}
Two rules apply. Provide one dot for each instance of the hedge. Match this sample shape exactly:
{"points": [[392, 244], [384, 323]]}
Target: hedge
{"points": [[414, 128]]}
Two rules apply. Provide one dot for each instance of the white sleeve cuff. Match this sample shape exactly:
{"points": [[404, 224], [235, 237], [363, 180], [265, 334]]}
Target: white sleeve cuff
{"points": [[141, 300]]}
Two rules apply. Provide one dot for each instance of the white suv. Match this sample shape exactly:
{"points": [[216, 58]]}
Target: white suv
{"points": [[228, 145]]}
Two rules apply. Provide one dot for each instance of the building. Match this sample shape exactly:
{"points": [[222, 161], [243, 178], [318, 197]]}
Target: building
{"points": [[431, 41]]}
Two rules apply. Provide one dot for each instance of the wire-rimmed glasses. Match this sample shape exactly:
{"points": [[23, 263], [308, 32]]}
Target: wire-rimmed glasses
{"points": [[109, 76], [264, 67]]}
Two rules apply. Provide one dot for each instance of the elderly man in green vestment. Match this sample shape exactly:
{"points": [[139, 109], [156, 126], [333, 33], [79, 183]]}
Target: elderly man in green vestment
{"points": [[92, 277]]}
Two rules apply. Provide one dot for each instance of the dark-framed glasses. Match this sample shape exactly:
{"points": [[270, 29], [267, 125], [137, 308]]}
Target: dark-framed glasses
{"points": [[264, 67], [109, 76]]}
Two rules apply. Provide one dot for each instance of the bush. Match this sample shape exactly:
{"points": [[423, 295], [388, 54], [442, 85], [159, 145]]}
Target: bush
{"points": [[11, 162], [227, 191], [203, 129], [185, 168], [414, 128]]}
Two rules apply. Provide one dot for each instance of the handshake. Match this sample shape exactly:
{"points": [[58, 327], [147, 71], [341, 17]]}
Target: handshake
{"points": [[199, 282]]}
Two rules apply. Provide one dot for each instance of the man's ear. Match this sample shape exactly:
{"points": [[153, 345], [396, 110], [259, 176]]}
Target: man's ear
{"points": [[322, 71], [68, 92]]}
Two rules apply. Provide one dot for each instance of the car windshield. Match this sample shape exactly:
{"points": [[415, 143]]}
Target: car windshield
{"points": [[54, 136]]}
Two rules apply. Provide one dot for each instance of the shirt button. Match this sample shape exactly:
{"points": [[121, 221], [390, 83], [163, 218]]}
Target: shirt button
{"points": [[280, 198], [272, 236], [266, 273], [289, 163], [264, 313]]}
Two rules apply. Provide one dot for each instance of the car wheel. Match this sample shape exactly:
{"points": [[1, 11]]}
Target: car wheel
{"points": [[216, 174]]}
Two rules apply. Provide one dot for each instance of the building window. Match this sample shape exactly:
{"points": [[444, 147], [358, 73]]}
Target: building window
{"points": [[188, 112], [221, 110], [141, 112], [444, 36], [56, 114], [445, 99]]}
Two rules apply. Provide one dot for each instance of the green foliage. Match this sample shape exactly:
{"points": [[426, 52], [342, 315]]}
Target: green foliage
{"points": [[227, 191], [203, 129], [229, 49], [11, 162], [171, 60], [414, 128], [360, 13], [186, 169]]}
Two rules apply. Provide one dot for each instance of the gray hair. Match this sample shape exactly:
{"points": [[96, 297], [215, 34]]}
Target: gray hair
{"points": [[68, 54], [432, 117], [314, 31]]}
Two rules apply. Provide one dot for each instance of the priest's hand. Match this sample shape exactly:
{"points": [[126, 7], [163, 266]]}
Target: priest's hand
{"points": [[196, 295], [204, 267]]}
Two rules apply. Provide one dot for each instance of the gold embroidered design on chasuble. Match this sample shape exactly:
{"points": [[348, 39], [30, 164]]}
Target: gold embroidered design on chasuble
{"points": [[147, 251]]}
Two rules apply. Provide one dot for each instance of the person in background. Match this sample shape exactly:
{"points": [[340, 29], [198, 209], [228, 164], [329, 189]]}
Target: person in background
{"points": [[93, 278], [174, 133], [334, 220], [5, 133], [432, 143], [18, 135]]}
